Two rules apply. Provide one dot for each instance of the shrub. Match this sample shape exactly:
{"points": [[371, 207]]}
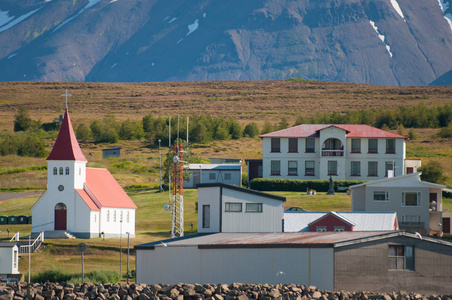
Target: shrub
{"points": [[57, 275], [297, 185], [251, 130], [432, 171]]}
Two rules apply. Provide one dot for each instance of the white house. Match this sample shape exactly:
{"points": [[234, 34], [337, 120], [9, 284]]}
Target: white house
{"points": [[334, 261], [85, 202], [213, 173], [346, 152], [9, 259], [228, 208], [304, 221], [418, 203]]}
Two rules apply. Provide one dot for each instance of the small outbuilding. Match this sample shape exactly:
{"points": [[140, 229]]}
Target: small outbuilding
{"points": [[9, 259], [112, 152], [213, 173]]}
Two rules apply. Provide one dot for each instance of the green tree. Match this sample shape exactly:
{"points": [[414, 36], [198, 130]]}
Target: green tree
{"points": [[83, 133], [22, 120], [283, 124], [251, 130], [267, 127], [432, 171], [236, 130]]}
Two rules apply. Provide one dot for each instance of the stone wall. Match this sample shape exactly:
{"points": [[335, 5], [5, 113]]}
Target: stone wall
{"points": [[89, 291]]}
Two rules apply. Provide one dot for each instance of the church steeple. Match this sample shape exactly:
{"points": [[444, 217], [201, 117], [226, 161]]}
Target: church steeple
{"points": [[66, 146]]}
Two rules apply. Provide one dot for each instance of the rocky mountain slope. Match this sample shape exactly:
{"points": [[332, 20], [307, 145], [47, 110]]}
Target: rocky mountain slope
{"points": [[386, 42]]}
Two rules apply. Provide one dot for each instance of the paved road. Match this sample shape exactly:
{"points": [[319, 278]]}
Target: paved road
{"points": [[8, 196]]}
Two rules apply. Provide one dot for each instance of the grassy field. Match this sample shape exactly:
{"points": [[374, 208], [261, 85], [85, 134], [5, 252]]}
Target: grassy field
{"points": [[246, 101]]}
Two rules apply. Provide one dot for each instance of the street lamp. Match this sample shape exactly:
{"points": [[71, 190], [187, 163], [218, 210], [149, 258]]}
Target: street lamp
{"points": [[160, 160], [128, 252]]}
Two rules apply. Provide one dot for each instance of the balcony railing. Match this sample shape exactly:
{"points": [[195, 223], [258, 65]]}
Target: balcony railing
{"points": [[332, 152], [408, 225]]}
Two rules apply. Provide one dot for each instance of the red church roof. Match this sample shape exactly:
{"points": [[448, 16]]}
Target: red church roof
{"points": [[66, 146], [104, 190], [352, 131]]}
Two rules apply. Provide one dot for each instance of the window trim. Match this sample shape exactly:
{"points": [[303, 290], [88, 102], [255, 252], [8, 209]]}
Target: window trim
{"points": [[353, 150], [369, 148], [292, 149], [310, 150], [306, 169], [386, 196], [227, 207], [275, 172], [328, 168], [408, 262], [274, 149], [320, 229], [359, 168], [259, 208], [214, 177], [418, 199], [296, 168], [55, 171], [376, 169]]}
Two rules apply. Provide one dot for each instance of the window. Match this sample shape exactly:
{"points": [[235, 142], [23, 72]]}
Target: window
{"points": [[227, 176], [309, 168], [292, 167], [15, 255], [276, 145], [320, 228], [293, 145], [339, 228], [212, 176], [411, 199], [389, 166], [79, 171], [61, 170], [381, 196], [401, 257], [55, 171], [356, 146], [254, 207], [355, 168], [390, 146], [206, 216], [310, 145], [275, 167], [114, 216], [373, 146], [372, 168], [233, 207], [108, 215], [67, 170], [412, 219], [95, 218], [128, 216], [120, 217], [332, 167]]}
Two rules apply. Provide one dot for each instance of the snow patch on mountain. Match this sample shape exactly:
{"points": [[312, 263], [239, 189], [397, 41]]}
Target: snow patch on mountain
{"points": [[382, 37], [4, 17], [396, 6], [445, 6], [90, 4], [193, 27], [17, 20]]}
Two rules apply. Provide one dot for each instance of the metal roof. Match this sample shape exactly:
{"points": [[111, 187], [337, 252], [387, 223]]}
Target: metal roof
{"points": [[363, 221], [352, 131], [214, 166], [241, 189]]}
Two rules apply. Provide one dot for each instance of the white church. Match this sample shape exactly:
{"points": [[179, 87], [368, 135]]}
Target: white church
{"points": [[80, 201]]}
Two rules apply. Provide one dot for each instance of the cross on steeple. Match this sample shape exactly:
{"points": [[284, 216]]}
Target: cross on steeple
{"points": [[66, 96]]}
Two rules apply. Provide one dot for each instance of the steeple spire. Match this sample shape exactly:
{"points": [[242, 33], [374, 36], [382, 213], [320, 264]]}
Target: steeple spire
{"points": [[66, 146]]}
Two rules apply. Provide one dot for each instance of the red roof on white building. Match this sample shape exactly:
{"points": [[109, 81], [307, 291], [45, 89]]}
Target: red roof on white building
{"points": [[104, 190], [66, 146], [352, 131]]}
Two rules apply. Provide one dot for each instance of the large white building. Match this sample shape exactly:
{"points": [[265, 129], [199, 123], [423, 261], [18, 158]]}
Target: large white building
{"points": [[85, 202], [345, 152]]}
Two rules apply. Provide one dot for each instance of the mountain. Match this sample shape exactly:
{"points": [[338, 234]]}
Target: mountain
{"points": [[384, 42]]}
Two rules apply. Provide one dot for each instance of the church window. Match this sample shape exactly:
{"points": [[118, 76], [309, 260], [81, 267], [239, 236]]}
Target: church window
{"points": [[114, 216], [55, 171], [95, 218], [79, 171], [120, 217], [67, 170], [108, 215], [61, 170], [128, 217]]}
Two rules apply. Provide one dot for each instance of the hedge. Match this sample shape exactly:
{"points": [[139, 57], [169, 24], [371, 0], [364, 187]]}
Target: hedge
{"points": [[297, 185]]}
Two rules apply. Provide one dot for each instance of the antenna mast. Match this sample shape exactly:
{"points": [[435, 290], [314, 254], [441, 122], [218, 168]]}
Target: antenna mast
{"points": [[177, 201]]}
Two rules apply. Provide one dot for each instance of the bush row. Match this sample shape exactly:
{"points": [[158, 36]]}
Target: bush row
{"points": [[298, 185]]}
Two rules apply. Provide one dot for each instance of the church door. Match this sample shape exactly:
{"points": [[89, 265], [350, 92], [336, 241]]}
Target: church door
{"points": [[60, 216]]}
